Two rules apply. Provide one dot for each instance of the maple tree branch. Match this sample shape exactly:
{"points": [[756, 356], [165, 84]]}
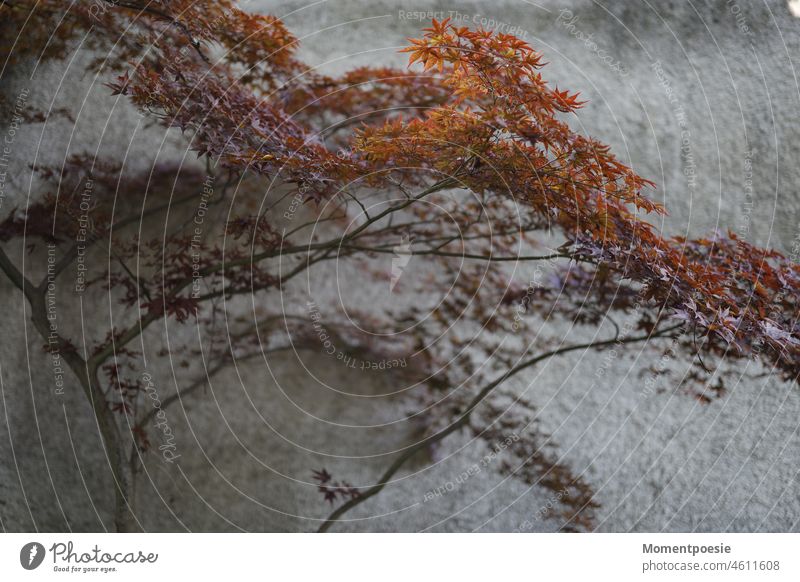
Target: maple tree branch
{"points": [[86, 372], [464, 417], [72, 253], [200, 382], [333, 243], [16, 277], [462, 255], [317, 221], [146, 320], [147, 9]]}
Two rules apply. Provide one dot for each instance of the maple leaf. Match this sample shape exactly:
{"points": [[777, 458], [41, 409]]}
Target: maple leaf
{"points": [[322, 476]]}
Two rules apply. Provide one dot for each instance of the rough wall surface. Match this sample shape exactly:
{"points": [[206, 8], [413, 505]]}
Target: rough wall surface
{"points": [[700, 97]]}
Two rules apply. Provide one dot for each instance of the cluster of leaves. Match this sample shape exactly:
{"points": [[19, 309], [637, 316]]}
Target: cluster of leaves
{"points": [[534, 458], [123, 393], [332, 490]]}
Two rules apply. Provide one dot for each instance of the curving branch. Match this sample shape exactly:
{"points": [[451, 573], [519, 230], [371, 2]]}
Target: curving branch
{"points": [[462, 420], [86, 372]]}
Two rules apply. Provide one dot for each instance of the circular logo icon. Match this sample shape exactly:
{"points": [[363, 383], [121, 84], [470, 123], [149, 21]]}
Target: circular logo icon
{"points": [[31, 555]]}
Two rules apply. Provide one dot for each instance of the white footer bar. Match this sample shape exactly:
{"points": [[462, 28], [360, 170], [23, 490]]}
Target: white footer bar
{"points": [[400, 557]]}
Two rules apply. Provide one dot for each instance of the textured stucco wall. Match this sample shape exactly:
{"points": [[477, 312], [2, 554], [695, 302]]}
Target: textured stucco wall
{"points": [[658, 461]]}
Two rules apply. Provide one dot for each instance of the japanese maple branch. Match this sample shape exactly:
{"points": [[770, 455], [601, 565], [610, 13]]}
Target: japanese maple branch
{"points": [[325, 245], [86, 372], [489, 257], [462, 420], [146, 320], [72, 253], [147, 9]]}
